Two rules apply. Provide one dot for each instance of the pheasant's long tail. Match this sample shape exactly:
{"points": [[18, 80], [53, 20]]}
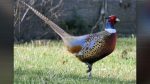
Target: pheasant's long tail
{"points": [[55, 27]]}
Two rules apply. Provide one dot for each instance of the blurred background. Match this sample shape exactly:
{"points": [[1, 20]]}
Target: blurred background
{"points": [[77, 17]]}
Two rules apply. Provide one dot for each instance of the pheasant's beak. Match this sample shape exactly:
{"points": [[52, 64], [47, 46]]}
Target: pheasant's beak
{"points": [[117, 19]]}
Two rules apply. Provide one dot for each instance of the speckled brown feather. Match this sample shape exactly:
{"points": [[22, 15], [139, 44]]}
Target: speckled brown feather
{"points": [[105, 43]]}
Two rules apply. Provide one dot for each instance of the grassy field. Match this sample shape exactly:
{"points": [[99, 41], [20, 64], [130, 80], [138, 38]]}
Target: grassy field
{"points": [[50, 63]]}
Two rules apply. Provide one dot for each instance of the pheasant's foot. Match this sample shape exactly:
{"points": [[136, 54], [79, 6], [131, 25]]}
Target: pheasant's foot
{"points": [[89, 70], [89, 75]]}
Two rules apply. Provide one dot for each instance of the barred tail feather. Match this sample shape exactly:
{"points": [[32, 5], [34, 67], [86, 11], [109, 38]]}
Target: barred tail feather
{"points": [[55, 27]]}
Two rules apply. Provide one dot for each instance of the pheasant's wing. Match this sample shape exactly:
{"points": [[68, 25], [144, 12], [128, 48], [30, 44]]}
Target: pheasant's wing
{"points": [[93, 45]]}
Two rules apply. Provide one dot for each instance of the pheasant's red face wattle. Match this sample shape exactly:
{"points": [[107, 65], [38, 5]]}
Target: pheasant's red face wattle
{"points": [[112, 19]]}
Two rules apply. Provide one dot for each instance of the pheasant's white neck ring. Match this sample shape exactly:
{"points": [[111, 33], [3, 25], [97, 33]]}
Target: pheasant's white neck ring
{"points": [[110, 28]]}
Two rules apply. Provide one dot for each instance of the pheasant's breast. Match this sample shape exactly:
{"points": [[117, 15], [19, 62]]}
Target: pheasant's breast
{"points": [[101, 48]]}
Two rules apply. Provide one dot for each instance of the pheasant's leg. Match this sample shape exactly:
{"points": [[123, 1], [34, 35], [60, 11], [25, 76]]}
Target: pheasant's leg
{"points": [[89, 75], [89, 70]]}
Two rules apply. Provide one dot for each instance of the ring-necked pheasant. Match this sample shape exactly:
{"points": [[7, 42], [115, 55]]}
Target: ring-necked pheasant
{"points": [[87, 48]]}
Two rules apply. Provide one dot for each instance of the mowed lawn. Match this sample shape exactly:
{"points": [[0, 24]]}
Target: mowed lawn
{"points": [[50, 63]]}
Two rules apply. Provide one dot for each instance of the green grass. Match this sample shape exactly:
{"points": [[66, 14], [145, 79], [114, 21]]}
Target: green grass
{"points": [[50, 63]]}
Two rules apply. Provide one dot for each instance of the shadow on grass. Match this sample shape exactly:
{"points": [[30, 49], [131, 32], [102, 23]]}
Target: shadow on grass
{"points": [[53, 77]]}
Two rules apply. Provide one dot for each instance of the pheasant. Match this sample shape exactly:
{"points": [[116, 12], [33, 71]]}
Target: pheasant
{"points": [[87, 48]]}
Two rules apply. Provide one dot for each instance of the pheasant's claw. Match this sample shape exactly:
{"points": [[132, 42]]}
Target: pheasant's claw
{"points": [[89, 75]]}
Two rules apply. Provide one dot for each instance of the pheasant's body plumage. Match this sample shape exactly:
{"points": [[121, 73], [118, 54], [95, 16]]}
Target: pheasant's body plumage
{"points": [[97, 46], [87, 48]]}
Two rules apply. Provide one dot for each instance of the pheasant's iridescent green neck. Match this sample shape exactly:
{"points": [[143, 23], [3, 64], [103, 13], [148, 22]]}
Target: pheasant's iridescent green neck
{"points": [[109, 27]]}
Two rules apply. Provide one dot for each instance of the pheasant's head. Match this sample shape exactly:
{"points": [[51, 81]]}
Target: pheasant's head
{"points": [[113, 19]]}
